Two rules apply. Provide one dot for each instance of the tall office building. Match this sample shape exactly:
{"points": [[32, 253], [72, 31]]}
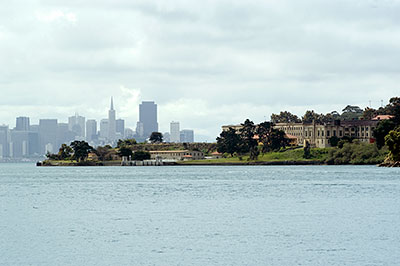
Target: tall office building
{"points": [[48, 135], [147, 119], [104, 129], [64, 135], [111, 122], [4, 141], [76, 124], [187, 136], [22, 124], [91, 130], [175, 135], [120, 128]]}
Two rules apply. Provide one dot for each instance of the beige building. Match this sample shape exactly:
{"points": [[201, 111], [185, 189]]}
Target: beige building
{"points": [[318, 135], [177, 155]]}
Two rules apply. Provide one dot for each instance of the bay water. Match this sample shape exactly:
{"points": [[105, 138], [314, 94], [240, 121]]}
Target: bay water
{"points": [[199, 215]]}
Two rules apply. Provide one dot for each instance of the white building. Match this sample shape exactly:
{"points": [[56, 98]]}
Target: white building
{"points": [[175, 134]]}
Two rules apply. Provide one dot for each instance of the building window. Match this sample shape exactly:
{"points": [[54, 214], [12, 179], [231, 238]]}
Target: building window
{"points": [[334, 133], [340, 133], [328, 133]]}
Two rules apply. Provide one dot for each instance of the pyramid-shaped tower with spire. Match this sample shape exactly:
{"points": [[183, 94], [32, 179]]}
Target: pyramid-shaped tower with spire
{"points": [[111, 122]]}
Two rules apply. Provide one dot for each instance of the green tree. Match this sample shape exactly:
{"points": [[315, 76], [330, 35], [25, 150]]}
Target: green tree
{"points": [[369, 113], [307, 150], [141, 155], [392, 140], [351, 112], [285, 117], [380, 132], [156, 137], [394, 109], [278, 140], [125, 151], [81, 150], [126, 142], [311, 116], [333, 141], [104, 153], [263, 132], [249, 143], [228, 142], [65, 152]]}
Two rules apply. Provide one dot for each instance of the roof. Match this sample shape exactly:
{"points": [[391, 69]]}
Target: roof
{"points": [[216, 153], [177, 151], [382, 117], [291, 136]]}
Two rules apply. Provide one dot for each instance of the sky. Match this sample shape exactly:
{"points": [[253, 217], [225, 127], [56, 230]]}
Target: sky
{"points": [[205, 63]]}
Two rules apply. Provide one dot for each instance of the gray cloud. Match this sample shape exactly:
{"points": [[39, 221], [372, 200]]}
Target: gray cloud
{"points": [[205, 63]]}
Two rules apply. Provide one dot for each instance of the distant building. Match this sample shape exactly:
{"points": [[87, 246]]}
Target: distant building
{"points": [[166, 137], [64, 135], [177, 155], [22, 124], [104, 129], [4, 141], [76, 124], [147, 119], [111, 123], [175, 135], [120, 128], [91, 130], [129, 133], [47, 135], [187, 136], [19, 147]]}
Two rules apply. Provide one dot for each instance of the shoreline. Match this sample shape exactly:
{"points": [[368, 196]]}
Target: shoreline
{"points": [[197, 163]]}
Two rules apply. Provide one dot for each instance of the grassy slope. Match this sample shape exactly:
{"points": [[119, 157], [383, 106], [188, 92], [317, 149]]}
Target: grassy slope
{"points": [[289, 155]]}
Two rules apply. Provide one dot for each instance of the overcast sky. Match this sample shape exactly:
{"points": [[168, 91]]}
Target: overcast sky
{"points": [[205, 63]]}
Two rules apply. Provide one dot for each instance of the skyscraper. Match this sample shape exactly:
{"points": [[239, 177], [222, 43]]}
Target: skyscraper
{"points": [[174, 132], [120, 128], [187, 136], [104, 129], [91, 129], [148, 118], [4, 141], [111, 122], [22, 124], [48, 135], [76, 124]]}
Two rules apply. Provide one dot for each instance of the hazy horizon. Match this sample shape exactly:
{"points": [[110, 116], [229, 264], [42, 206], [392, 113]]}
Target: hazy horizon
{"points": [[204, 64]]}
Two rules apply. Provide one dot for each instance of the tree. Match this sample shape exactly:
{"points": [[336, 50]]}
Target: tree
{"points": [[285, 117], [156, 137], [278, 140], [307, 150], [311, 116], [81, 150], [263, 132], [141, 155], [351, 112], [228, 142], [249, 143], [65, 152], [380, 132], [103, 153], [392, 140], [334, 141], [124, 151], [394, 109], [369, 113], [126, 142]]}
